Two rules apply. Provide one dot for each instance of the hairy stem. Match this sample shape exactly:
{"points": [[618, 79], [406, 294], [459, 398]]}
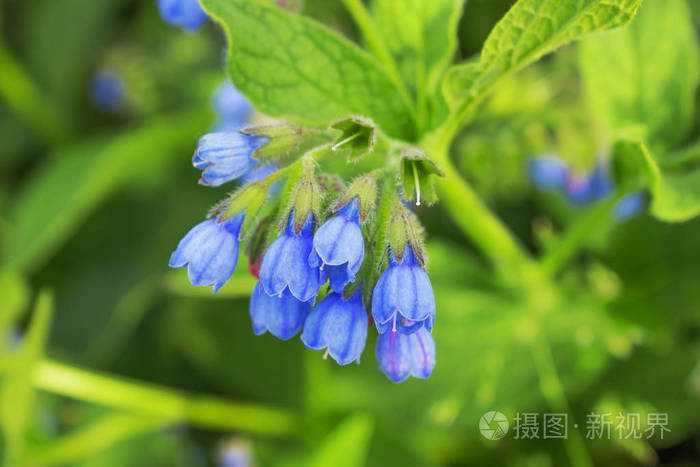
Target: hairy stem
{"points": [[476, 221]]}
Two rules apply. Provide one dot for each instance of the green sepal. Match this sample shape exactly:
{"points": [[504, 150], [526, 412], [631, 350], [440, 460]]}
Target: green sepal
{"points": [[364, 188], [249, 198], [628, 165], [358, 135], [405, 228], [416, 177], [306, 195], [283, 140], [257, 241]]}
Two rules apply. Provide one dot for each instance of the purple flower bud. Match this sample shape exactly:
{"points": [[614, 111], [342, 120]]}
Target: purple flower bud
{"points": [[403, 298], [338, 325], [210, 251], [285, 269], [223, 157], [339, 247], [403, 355], [283, 317], [186, 13]]}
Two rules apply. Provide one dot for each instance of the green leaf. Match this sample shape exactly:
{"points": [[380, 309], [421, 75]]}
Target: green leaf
{"points": [[423, 41], [646, 73], [72, 183], [531, 29], [346, 445], [17, 394], [14, 296], [675, 194], [292, 67]]}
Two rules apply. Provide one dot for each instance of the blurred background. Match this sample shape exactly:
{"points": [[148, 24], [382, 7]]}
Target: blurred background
{"points": [[111, 359]]}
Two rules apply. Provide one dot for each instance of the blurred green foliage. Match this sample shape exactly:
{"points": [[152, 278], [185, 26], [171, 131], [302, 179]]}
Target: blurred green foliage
{"points": [[93, 202]]}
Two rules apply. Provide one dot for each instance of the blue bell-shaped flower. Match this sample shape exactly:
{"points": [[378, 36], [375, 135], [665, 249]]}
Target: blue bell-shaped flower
{"points": [[210, 251], [339, 248], [186, 13], [283, 317], [548, 172], [285, 269], [223, 157], [403, 298], [338, 325], [403, 355]]}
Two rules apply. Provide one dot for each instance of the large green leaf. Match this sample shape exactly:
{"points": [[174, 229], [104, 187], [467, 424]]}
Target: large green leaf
{"points": [[422, 37], [531, 29], [72, 183], [675, 193], [293, 67], [646, 73]]}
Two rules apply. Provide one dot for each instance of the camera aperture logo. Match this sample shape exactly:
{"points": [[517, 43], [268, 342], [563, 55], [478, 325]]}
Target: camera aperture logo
{"points": [[493, 425]]}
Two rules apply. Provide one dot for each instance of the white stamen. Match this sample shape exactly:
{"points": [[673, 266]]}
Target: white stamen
{"points": [[415, 177], [393, 327], [325, 355], [346, 140]]}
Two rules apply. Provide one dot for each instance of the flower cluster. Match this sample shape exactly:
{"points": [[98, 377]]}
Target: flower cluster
{"points": [[551, 173], [318, 264]]}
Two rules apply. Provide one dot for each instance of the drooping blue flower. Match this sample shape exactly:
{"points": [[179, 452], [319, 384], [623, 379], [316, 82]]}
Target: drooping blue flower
{"points": [[588, 187], [186, 13], [210, 251], [338, 325], [578, 188], [548, 172], [339, 248], [628, 206], [232, 109], [285, 269], [107, 90], [282, 316], [223, 157], [403, 355], [403, 298]]}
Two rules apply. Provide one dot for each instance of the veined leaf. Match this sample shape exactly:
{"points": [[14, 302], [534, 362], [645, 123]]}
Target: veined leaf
{"points": [[292, 67], [531, 29], [675, 194], [646, 73]]}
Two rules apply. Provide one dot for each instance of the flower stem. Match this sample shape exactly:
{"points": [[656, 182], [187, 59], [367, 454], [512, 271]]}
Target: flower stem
{"points": [[553, 391], [378, 47], [477, 222], [576, 236], [162, 403]]}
